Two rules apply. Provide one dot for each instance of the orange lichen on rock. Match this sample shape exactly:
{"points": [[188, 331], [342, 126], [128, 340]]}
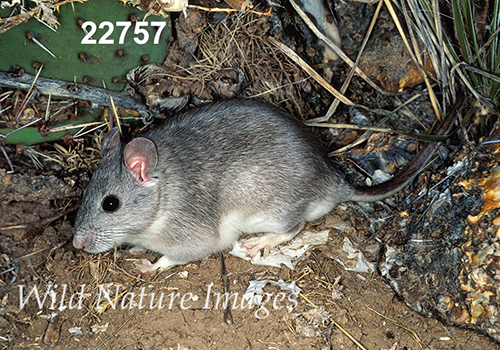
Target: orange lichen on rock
{"points": [[491, 189]]}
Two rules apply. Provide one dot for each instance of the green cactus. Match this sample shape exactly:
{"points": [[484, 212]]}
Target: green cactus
{"points": [[31, 136], [101, 65]]}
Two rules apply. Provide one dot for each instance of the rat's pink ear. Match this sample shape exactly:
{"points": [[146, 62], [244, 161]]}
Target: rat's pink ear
{"points": [[110, 140], [140, 157]]}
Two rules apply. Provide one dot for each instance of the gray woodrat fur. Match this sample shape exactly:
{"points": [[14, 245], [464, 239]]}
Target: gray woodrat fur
{"points": [[193, 186]]}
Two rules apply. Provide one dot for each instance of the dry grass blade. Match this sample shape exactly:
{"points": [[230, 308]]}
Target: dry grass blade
{"points": [[244, 46], [7, 158], [426, 23], [378, 129], [416, 58], [336, 325], [28, 95], [354, 127], [115, 114], [464, 59], [338, 51], [117, 330], [410, 331], [83, 130], [82, 126], [354, 69], [27, 256], [11, 21], [488, 43], [296, 58], [20, 128], [367, 135], [227, 10], [349, 336]]}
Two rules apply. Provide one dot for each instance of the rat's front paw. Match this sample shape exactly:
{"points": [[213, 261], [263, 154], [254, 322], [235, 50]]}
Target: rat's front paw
{"points": [[135, 250], [145, 266], [164, 263]]}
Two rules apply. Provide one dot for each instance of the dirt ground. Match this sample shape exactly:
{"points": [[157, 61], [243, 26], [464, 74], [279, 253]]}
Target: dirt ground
{"points": [[361, 304]]}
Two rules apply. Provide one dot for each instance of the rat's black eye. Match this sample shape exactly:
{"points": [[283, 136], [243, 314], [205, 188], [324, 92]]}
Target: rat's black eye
{"points": [[110, 203]]}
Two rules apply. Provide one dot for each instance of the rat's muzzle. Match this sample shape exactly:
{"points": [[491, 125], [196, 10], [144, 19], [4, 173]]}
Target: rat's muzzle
{"points": [[84, 241]]}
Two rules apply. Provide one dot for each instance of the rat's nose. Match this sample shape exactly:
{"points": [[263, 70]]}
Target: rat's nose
{"points": [[78, 243], [82, 241]]}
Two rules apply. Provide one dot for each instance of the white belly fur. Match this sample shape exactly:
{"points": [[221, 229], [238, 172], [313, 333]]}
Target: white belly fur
{"points": [[317, 210], [234, 224]]}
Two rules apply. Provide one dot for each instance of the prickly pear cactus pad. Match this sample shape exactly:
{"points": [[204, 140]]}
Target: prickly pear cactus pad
{"points": [[96, 42]]}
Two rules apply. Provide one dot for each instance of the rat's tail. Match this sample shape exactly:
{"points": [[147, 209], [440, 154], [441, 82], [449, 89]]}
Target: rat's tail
{"points": [[412, 169]]}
